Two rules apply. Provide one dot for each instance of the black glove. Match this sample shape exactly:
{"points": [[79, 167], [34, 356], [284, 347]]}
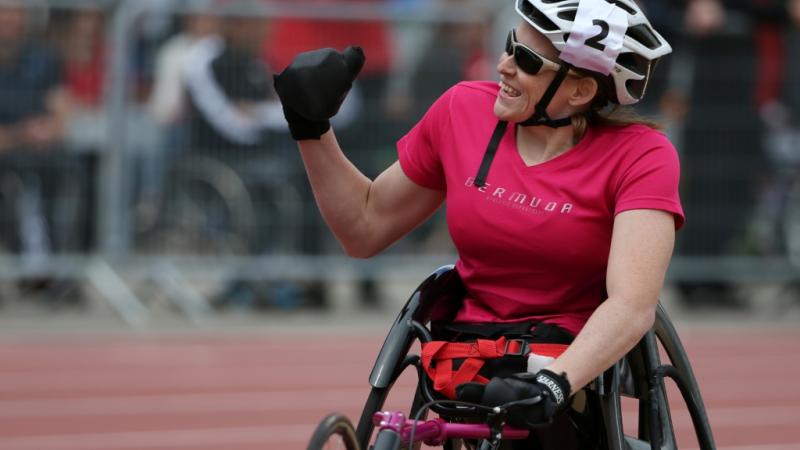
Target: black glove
{"points": [[530, 399], [313, 87]]}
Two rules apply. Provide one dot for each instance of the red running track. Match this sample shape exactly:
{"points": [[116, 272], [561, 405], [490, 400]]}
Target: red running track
{"points": [[267, 392]]}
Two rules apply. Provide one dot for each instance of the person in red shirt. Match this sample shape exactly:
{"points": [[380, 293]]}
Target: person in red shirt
{"points": [[290, 36], [79, 36], [560, 213]]}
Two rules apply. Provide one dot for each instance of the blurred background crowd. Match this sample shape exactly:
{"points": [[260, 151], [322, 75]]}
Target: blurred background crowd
{"points": [[142, 138]]}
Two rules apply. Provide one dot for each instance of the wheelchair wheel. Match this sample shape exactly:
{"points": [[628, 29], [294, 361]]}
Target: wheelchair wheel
{"points": [[208, 209], [335, 432]]}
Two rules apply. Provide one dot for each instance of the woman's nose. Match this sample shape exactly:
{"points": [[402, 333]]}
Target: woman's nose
{"points": [[506, 64]]}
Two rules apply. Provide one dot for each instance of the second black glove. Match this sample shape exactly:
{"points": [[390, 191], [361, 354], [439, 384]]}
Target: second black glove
{"points": [[313, 87], [530, 398]]}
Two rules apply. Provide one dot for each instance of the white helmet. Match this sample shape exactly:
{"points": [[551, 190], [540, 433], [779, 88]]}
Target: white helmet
{"points": [[641, 45]]}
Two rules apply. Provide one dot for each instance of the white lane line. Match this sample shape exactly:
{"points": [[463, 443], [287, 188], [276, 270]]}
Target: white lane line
{"points": [[267, 435]]}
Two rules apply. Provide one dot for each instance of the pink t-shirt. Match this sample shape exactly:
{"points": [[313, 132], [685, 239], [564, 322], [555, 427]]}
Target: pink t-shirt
{"points": [[533, 243]]}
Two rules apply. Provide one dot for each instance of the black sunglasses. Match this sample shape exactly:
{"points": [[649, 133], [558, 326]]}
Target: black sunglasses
{"points": [[526, 58]]}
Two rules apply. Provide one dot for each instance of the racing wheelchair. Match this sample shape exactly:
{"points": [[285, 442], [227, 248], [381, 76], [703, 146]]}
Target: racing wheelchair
{"points": [[639, 375]]}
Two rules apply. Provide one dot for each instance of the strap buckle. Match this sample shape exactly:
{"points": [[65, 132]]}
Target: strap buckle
{"points": [[521, 346]]}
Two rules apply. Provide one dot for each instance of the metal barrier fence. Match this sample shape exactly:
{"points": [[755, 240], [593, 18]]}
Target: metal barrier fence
{"points": [[156, 152]]}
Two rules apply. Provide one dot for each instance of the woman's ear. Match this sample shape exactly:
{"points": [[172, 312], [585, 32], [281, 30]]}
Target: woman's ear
{"points": [[585, 89]]}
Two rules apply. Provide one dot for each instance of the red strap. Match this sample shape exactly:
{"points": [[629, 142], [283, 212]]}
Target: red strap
{"points": [[474, 354], [466, 373], [444, 380], [484, 348]]}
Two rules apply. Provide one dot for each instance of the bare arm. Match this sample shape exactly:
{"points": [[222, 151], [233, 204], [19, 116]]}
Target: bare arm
{"points": [[365, 216], [42, 130], [794, 12], [641, 247], [51, 127]]}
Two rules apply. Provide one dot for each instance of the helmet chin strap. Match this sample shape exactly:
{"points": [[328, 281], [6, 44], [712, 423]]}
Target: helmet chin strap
{"points": [[540, 116]]}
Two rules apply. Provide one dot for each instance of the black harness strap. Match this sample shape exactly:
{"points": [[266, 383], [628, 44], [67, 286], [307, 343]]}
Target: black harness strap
{"points": [[491, 150], [540, 116]]}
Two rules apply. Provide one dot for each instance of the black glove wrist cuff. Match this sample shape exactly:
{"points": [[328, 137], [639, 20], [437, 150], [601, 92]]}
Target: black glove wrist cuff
{"points": [[302, 128], [301, 131], [557, 384]]}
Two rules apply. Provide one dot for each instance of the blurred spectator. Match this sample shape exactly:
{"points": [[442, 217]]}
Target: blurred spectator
{"points": [[167, 102], [792, 78], [79, 35], [236, 119], [33, 111], [778, 101], [229, 86], [409, 40], [452, 52], [169, 108], [738, 53]]}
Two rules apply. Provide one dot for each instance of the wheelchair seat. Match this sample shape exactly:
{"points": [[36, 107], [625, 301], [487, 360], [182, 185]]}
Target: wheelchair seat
{"points": [[639, 375]]}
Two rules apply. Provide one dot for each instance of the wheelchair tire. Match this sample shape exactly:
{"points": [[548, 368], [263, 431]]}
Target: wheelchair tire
{"points": [[335, 432], [208, 209]]}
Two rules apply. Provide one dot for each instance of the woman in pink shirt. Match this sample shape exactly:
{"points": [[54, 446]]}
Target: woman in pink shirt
{"points": [[560, 213]]}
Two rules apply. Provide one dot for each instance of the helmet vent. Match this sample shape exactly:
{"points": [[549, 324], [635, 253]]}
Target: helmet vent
{"points": [[622, 5], [537, 17], [637, 88], [567, 15], [643, 34], [633, 62]]}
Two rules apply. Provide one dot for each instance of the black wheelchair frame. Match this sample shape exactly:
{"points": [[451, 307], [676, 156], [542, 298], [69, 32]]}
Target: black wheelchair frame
{"points": [[639, 375]]}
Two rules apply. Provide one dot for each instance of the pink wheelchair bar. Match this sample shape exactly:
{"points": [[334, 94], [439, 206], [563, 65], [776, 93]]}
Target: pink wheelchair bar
{"points": [[435, 432]]}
